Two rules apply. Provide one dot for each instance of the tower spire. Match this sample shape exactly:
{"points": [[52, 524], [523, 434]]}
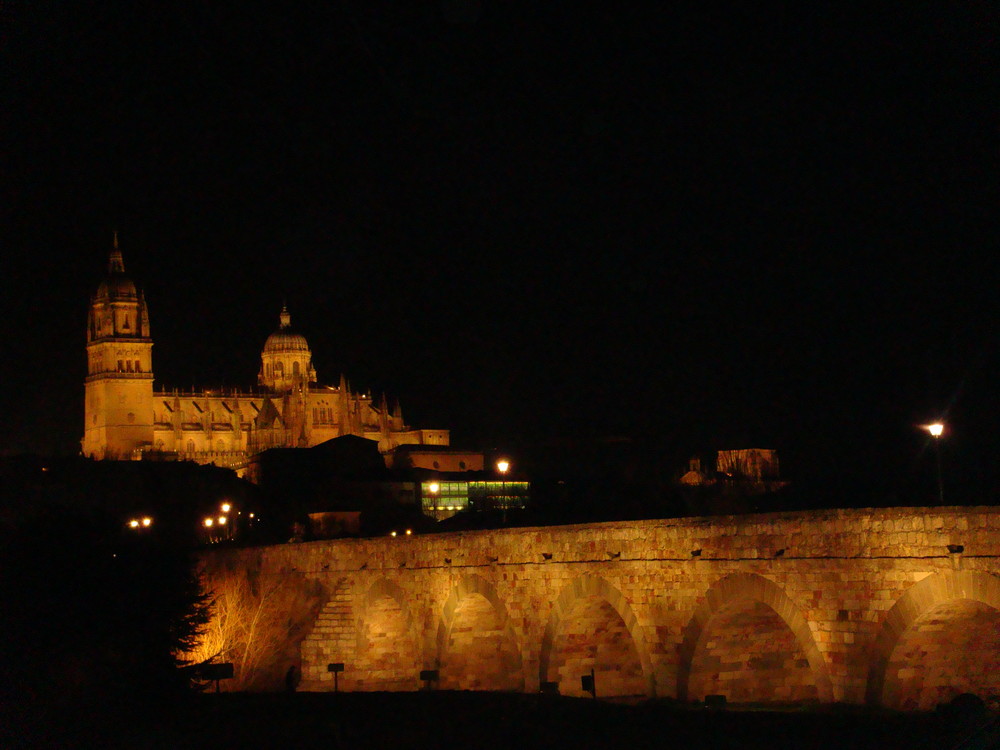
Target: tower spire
{"points": [[115, 262]]}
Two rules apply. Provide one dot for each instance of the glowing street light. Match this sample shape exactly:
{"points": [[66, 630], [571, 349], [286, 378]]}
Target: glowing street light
{"points": [[222, 520], [147, 522], [134, 523], [503, 466], [209, 522], [936, 430], [226, 507]]}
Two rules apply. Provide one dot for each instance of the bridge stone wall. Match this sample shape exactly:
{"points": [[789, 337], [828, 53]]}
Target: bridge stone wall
{"points": [[861, 605]]}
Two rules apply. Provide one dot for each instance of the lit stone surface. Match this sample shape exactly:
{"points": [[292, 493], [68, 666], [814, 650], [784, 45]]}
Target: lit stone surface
{"points": [[125, 418], [863, 606]]}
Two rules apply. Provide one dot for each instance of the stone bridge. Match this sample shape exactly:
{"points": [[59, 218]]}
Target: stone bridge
{"points": [[898, 607]]}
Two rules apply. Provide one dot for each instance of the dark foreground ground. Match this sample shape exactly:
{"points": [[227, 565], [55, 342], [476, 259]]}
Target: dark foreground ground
{"points": [[475, 720]]}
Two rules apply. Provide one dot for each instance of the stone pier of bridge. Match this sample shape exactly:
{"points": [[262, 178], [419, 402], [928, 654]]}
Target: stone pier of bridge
{"points": [[897, 607]]}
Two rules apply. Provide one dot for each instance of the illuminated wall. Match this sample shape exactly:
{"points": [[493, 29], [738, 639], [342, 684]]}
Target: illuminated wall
{"points": [[893, 606], [125, 418]]}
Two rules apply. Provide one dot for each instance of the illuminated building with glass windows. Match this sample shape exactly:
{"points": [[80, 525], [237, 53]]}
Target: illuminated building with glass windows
{"points": [[127, 418], [443, 497]]}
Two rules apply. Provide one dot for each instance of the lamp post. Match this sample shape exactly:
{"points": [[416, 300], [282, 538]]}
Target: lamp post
{"points": [[434, 488], [936, 430], [503, 466]]}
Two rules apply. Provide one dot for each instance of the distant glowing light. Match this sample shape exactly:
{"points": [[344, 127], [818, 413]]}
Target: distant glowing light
{"points": [[222, 520], [409, 532], [147, 521], [134, 523], [936, 429], [434, 488], [503, 465], [251, 515], [209, 522], [392, 533], [226, 507]]}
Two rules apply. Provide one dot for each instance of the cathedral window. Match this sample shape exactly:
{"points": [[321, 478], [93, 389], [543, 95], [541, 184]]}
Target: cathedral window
{"points": [[138, 367], [279, 369], [121, 366], [315, 415], [295, 368], [190, 446]]}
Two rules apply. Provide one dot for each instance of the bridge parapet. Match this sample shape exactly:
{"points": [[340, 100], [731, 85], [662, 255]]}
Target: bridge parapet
{"points": [[774, 607]]}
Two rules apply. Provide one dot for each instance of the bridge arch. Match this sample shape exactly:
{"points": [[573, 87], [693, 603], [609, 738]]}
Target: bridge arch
{"points": [[388, 644], [748, 641], [477, 648], [940, 639], [592, 626]]}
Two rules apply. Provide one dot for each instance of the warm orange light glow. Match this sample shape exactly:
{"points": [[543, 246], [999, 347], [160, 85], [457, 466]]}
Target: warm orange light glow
{"points": [[208, 522], [251, 515], [222, 520], [434, 488], [503, 465], [409, 531], [226, 507], [936, 429], [147, 521], [392, 533], [133, 523]]}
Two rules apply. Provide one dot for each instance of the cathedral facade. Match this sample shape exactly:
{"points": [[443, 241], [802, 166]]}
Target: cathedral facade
{"points": [[126, 418]]}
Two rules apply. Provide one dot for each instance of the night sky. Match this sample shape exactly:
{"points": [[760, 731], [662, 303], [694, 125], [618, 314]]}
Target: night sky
{"points": [[696, 227]]}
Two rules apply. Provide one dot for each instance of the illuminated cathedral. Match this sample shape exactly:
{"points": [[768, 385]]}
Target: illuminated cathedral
{"points": [[127, 418]]}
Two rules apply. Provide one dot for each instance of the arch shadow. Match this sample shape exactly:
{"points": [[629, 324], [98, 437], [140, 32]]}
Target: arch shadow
{"points": [[581, 588], [742, 587], [920, 598], [468, 586], [383, 588]]}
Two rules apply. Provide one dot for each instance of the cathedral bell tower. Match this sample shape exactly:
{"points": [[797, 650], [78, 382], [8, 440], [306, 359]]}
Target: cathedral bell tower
{"points": [[118, 403]]}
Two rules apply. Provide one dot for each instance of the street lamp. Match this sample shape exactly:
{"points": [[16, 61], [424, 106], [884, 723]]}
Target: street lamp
{"points": [[503, 466], [936, 430]]}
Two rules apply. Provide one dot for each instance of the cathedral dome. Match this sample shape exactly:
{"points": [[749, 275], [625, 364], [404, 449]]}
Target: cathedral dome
{"points": [[286, 362], [284, 339]]}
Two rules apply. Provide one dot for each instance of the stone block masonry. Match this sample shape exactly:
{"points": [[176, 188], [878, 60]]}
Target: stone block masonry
{"points": [[860, 606]]}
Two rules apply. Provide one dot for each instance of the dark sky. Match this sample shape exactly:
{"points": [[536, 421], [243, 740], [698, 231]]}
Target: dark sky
{"points": [[700, 227]]}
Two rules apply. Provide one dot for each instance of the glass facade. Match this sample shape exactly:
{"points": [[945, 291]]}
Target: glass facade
{"points": [[444, 496], [443, 499]]}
